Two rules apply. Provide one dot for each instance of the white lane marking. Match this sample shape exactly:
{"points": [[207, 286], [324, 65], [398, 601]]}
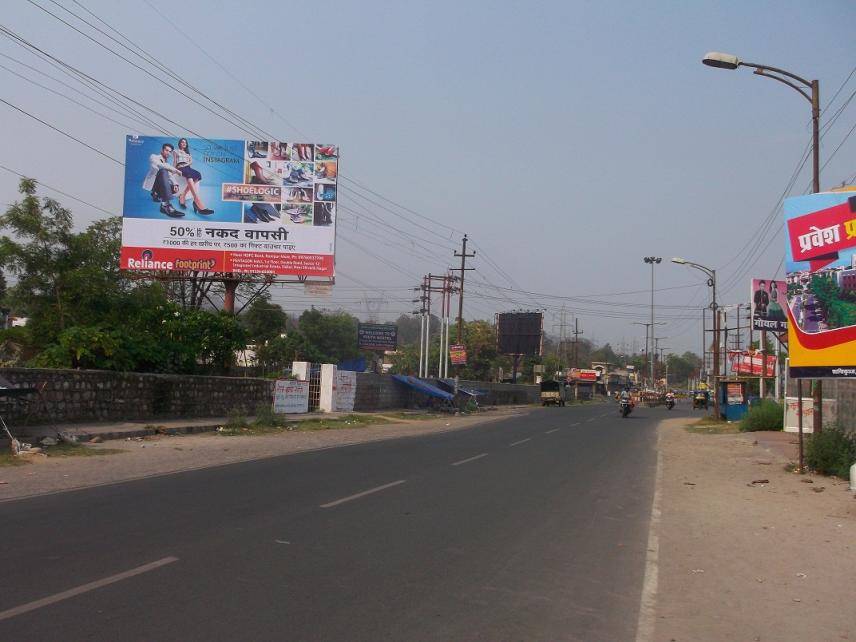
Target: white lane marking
{"points": [[550, 431], [517, 443], [336, 502], [84, 588], [576, 424], [648, 601], [590, 420], [469, 459]]}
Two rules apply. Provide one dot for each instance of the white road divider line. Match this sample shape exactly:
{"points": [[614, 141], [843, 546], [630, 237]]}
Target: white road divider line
{"points": [[551, 431], [469, 459], [517, 443], [362, 494], [576, 424], [84, 588]]}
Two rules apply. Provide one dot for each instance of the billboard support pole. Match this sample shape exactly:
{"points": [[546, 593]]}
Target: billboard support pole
{"points": [[800, 422], [231, 285], [762, 384]]}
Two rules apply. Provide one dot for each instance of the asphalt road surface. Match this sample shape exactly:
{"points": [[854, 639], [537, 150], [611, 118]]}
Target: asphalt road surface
{"points": [[528, 528]]}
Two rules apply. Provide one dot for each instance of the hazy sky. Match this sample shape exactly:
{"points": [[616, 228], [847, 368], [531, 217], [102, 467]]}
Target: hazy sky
{"points": [[568, 139]]}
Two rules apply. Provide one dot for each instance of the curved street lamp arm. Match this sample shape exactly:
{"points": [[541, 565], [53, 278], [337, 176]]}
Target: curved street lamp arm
{"points": [[763, 68], [760, 72], [704, 269]]}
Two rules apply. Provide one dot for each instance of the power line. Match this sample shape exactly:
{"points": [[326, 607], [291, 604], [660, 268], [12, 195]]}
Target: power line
{"points": [[60, 131]]}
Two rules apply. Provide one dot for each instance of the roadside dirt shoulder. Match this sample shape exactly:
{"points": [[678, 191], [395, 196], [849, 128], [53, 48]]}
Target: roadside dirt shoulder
{"points": [[748, 550], [163, 454]]}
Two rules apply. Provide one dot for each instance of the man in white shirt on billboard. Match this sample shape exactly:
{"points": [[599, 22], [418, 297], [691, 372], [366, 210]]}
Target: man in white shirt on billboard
{"points": [[159, 183]]}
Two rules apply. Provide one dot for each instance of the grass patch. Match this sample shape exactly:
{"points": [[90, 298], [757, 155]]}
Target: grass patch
{"points": [[712, 426], [64, 449], [237, 426], [6, 459], [416, 416]]}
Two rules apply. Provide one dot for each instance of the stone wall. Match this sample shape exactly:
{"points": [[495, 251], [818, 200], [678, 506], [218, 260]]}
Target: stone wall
{"points": [[97, 395], [70, 396], [380, 392], [504, 393]]}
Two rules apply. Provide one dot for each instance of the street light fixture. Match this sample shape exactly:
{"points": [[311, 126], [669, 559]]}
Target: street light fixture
{"points": [[711, 282], [810, 90], [652, 260]]}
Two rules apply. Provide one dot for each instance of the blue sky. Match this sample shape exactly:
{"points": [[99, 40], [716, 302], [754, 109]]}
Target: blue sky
{"points": [[568, 139]]}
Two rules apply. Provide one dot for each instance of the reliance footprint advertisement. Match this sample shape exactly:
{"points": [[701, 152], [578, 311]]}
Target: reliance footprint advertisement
{"points": [[265, 207], [820, 262]]}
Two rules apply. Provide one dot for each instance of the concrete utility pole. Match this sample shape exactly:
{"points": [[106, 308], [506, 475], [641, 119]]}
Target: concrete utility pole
{"points": [[810, 90], [463, 269], [652, 260], [576, 333]]}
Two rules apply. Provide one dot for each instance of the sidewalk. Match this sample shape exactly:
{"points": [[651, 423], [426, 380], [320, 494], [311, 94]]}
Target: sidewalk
{"points": [[141, 456], [748, 550]]}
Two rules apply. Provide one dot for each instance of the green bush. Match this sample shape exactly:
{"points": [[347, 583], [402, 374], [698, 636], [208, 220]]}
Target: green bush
{"points": [[266, 417], [765, 415], [832, 452]]}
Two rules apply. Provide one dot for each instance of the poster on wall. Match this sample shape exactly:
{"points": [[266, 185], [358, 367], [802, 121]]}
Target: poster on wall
{"points": [[266, 207], [792, 405], [291, 396], [820, 266], [346, 390], [768, 301]]}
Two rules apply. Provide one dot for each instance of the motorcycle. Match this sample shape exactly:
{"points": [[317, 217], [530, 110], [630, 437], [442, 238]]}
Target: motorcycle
{"points": [[670, 403], [624, 408]]}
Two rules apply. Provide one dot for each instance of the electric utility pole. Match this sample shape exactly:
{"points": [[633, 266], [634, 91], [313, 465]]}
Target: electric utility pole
{"points": [[463, 269]]}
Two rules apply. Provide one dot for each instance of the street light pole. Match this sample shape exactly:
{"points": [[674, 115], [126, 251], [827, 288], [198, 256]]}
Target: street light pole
{"points": [[652, 260], [810, 90], [711, 282]]}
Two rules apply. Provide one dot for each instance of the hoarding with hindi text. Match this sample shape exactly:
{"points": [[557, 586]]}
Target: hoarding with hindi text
{"points": [[820, 266], [251, 207]]}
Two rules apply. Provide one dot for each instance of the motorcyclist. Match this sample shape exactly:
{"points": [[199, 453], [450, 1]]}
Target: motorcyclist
{"points": [[670, 396], [624, 397]]}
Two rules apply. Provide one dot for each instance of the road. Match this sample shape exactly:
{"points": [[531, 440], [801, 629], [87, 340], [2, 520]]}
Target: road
{"points": [[528, 528]]}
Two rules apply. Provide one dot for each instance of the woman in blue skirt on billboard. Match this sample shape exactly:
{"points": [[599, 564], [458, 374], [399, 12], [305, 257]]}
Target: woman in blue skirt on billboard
{"points": [[182, 160]]}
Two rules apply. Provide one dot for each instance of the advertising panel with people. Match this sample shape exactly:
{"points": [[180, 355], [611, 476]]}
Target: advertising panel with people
{"points": [[264, 207], [820, 265], [768, 299]]}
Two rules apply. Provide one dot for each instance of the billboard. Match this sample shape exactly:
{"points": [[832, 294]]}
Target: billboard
{"points": [[377, 336], [768, 296], [458, 354], [752, 363], [583, 374], [264, 207], [519, 333], [820, 265]]}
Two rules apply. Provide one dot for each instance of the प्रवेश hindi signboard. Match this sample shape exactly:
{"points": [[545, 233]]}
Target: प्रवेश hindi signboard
{"points": [[265, 207], [820, 267]]}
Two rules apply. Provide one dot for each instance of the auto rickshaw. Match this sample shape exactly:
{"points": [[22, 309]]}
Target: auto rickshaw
{"points": [[553, 393]]}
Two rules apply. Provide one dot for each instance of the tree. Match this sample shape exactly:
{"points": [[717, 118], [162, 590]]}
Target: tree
{"points": [[330, 337], [264, 321]]}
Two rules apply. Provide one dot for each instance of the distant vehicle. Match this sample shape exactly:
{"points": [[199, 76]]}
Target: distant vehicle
{"points": [[700, 399], [553, 393], [625, 407]]}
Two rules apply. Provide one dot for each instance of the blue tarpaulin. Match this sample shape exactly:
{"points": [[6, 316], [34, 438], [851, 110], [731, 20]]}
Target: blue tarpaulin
{"points": [[425, 388]]}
